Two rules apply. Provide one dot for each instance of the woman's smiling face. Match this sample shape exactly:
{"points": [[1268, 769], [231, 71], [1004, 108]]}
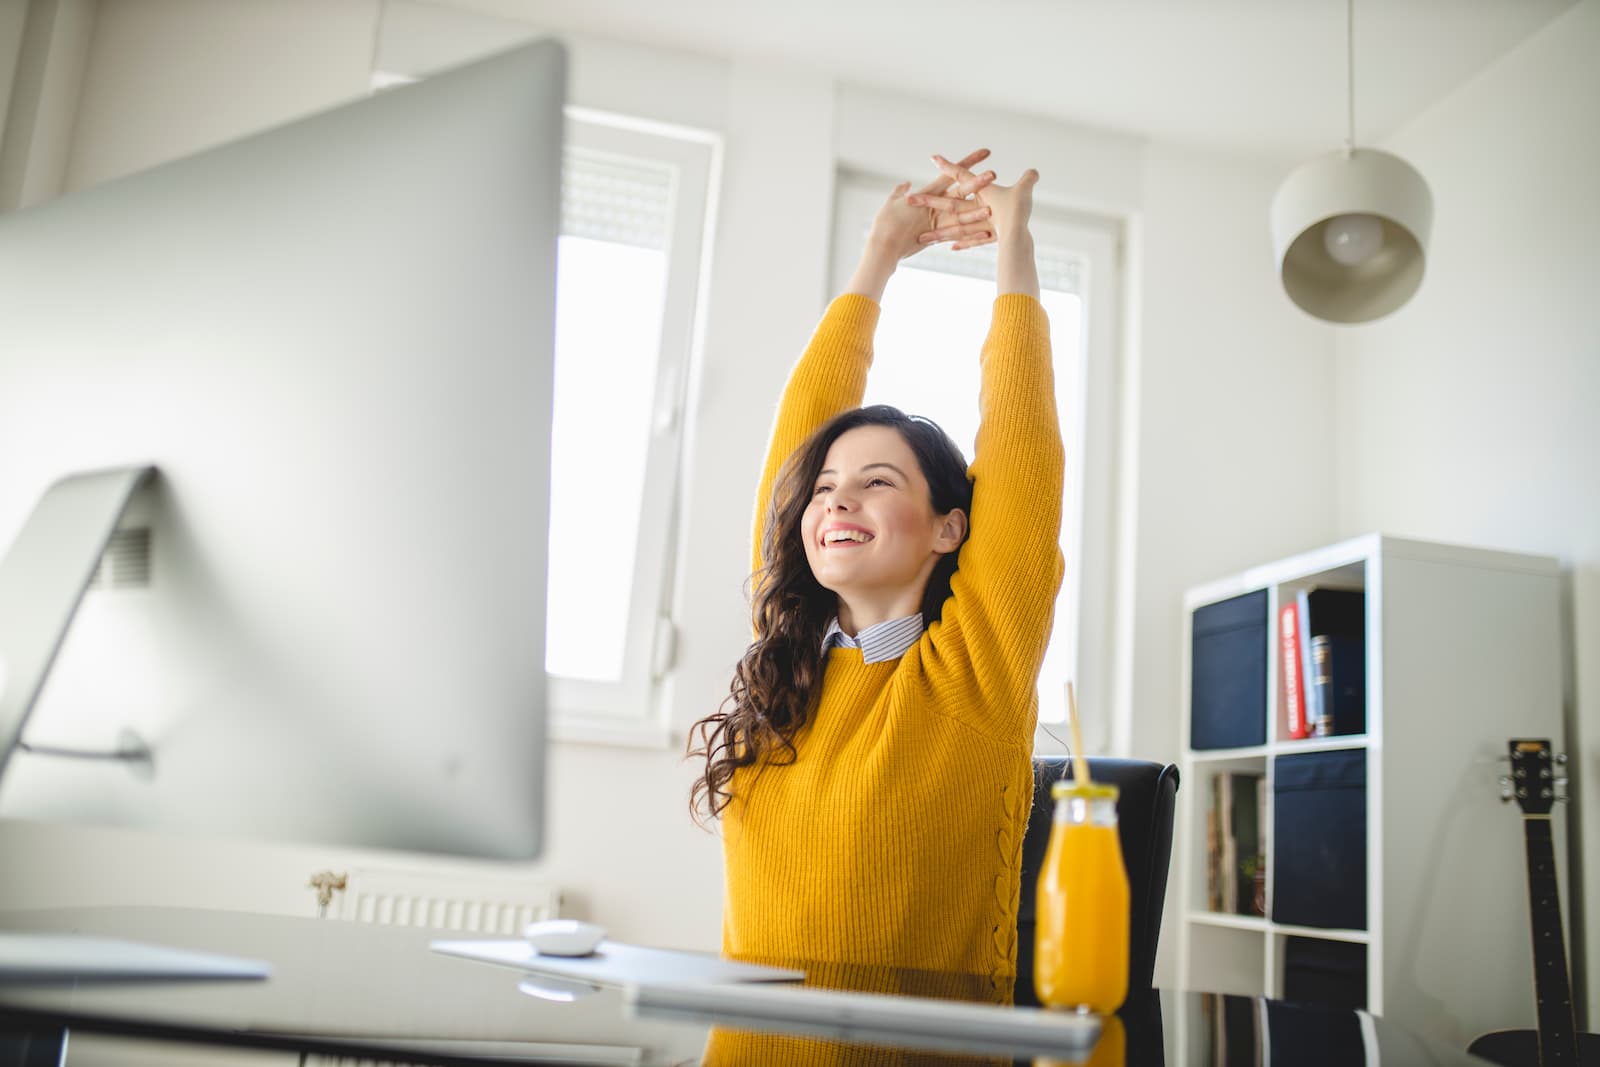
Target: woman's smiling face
{"points": [[870, 529]]}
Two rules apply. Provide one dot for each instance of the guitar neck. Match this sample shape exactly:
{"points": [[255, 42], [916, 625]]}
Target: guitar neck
{"points": [[1558, 1042]]}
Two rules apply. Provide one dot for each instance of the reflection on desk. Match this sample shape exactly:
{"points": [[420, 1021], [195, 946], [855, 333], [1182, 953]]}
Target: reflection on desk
{"points": [[352, 989], [846, 1006]]}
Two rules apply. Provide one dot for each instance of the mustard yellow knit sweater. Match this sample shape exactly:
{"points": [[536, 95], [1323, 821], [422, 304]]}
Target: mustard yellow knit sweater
{"points": [[895, 836]]}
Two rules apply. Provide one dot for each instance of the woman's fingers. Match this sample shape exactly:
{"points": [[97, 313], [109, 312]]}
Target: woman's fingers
{"points": [[982, 239], [965, 181], [964, 210], [965, 232], [942, 183], [940, 186]]}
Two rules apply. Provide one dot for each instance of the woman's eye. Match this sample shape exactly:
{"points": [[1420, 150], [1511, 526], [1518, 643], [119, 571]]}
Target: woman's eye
{"points": [[877, 481], [819, 490]]}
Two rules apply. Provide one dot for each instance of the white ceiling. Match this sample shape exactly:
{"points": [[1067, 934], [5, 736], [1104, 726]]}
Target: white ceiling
{"points": [[1259, 77]]}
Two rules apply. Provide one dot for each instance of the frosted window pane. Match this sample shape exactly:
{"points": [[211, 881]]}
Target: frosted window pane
{"points": [[609, 301]]}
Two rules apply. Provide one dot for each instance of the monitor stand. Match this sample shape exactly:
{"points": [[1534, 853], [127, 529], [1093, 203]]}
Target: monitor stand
{"points": [[43, 577]]}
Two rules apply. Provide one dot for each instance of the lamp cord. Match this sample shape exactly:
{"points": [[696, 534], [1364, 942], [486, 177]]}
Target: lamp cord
{"points": [[1350, 76]]}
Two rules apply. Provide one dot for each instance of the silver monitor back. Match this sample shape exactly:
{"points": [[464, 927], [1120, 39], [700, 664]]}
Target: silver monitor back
{"points": [[334, 341]]}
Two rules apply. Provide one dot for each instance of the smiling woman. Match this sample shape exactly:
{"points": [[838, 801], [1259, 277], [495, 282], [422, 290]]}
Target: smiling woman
{"points": [[902, 605]]}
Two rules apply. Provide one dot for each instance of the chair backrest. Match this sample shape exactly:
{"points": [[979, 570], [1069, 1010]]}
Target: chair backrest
{"points": [[1146, 796]]}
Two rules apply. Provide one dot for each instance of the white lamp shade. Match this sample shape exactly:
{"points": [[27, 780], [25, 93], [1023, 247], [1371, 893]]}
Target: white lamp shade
{"points": [[1361, 182]]}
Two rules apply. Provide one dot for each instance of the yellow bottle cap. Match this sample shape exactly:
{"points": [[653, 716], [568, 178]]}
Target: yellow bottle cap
{"points": [[1092, 791]]}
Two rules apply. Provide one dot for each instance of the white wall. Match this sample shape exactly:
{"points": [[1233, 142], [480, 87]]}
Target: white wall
{"points": [[1471, 415], [1226, 389]]}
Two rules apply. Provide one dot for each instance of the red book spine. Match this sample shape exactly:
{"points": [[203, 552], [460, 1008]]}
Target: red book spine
{"points": [[1294, 685]]}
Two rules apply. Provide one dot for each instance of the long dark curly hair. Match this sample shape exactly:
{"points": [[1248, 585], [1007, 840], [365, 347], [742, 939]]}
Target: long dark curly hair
{"points": [[776, 685]]}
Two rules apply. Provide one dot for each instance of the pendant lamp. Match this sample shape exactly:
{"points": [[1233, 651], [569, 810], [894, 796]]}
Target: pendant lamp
{"points": [[1350, 228]]}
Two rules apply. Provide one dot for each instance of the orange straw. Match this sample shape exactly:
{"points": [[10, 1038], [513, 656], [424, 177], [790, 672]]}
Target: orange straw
{"points": [[1080, 762]]}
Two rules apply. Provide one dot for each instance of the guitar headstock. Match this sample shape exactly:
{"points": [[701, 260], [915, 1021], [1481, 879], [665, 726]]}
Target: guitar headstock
{"points": [[1532, 783]]}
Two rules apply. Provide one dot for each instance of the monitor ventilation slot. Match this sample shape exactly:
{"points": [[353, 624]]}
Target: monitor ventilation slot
{"points": [[125, 564]]}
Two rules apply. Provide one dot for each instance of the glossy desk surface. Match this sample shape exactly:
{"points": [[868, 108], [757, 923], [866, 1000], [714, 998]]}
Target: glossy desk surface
{"points": [[348, 988]]}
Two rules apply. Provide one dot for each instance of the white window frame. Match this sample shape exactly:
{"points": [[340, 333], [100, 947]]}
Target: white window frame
{"points": [[1089, 516], [627, 711]]}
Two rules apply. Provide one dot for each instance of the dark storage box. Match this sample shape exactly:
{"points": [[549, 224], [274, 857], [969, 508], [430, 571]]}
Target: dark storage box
{"points": [[1319, 875], [1333, 973], [1228, 682]]}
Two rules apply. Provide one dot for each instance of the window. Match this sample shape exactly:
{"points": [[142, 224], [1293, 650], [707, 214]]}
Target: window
{"points": [[635, 199], [634, 208], [935, 316]]}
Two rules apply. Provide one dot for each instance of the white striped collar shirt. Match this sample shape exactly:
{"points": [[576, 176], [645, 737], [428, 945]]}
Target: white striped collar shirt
{"points": [[878, 642]]}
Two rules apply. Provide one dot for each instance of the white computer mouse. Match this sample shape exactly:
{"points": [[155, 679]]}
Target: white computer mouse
{"points": [[564, 937]]}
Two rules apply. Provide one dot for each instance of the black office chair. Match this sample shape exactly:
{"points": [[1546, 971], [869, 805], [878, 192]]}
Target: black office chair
{"points": [[1146, 796]]}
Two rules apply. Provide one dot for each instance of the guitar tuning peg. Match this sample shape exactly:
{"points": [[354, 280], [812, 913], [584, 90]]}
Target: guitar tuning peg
{"points": [[1505, 790], [1562, 759]]}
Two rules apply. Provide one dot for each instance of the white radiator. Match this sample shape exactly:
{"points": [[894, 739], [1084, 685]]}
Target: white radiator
{"points": [[470, 905]]}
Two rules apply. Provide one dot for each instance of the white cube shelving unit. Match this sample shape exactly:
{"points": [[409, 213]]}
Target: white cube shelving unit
{"points": [[1463, 652]]}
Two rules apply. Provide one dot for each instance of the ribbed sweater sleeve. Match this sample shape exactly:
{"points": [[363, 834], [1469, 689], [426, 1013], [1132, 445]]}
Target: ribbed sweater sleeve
{"points": [[997, 621], [830, 378]]}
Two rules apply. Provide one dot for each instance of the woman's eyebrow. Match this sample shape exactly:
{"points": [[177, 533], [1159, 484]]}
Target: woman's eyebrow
{"points": [[868, 467]]}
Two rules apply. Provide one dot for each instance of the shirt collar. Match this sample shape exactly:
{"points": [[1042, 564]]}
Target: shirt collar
{"points": [[879, 642]]}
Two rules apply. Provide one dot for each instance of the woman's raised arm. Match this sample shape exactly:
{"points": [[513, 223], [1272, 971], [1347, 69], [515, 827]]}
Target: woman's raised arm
{"points": [[1005, 588]]}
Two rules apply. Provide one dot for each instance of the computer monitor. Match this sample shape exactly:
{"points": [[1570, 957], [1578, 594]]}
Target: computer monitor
{"points": [[332, 342]]}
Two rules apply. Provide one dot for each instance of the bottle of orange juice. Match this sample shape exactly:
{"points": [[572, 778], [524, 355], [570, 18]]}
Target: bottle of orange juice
{"points": [[1081, 953]]}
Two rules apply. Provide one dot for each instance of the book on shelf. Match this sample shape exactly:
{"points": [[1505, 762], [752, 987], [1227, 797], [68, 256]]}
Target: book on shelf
{"points": [[1302, 639], [1214, 846], [1219, 853], [1246, 841], [1342, 683], [1290, 675], [1335, 643], [1258, 887], [1236, 843]]}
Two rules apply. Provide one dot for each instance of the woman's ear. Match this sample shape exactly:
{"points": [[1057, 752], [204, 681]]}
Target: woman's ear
{"points": [[952, 531]]}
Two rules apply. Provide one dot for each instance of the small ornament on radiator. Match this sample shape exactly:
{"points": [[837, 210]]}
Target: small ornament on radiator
{"points": [[327, 883]]}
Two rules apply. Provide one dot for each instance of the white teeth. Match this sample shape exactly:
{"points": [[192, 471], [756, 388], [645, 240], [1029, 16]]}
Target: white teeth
{"points": [[833, 536]]}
